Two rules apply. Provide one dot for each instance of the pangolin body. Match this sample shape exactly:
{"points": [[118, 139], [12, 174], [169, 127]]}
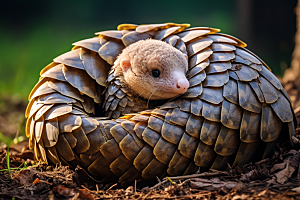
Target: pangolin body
{"points": [[233, 111]]}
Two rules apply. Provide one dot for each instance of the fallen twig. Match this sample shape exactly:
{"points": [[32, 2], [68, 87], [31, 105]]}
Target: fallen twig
{"points": [[189, 177]]}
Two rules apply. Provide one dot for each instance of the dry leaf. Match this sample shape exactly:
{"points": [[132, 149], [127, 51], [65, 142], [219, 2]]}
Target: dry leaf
{"points": [[283, 175], [238, 197], [25, 176], [278, 166], [296, 189]]}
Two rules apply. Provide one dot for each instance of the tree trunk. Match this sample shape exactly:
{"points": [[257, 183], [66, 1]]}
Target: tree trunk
{"points": [[293, 73]]}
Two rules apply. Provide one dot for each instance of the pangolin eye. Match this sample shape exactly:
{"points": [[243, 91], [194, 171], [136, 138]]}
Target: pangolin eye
{"points": [[155, 73]]}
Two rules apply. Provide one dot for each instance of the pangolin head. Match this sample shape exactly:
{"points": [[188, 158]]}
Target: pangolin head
{"points": [[153, 69]]}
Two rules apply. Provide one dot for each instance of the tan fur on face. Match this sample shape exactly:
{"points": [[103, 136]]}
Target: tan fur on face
{"points": [[145, 56]]}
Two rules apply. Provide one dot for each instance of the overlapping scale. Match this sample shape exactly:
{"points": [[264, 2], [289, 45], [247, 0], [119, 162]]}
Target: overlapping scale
{"points": [[110, 51], [172, 133], [240, 60], [55, 98], [149, 27], [283, 109], [92, 44], [222, 39], [239, 42], [233, 75], [227, 142], [162, 34], [205, 155], [126, 27], [96, 67], [198, 62], [209, 132], [83, 82], [193, 92], [192, 34], [222, 47], [271, 77], [211, 112], [180, 45], [246, 152], [212, 94], [217, 67], [65, 89], [172, 40], [196, 106], [164, 151], [58, 110], [257, 90], [216, 80], [111, 34], [42, 110], [269, 92], [230, 91], [193, 125], [268, 132], [83, 143], [197, 79], [198, 45], [231, 115], [185, 105], [179, 164], [41, 81], [247, 98], [221, 56], [250, 127], [245, 73], [247, 56], [195, 71], [68, 123], [188, 145], [134, 36], [71, 58], [42, 90], [55, 72]]}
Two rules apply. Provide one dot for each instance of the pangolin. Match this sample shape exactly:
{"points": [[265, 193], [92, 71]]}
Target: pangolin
{"points": [[147, 101]]}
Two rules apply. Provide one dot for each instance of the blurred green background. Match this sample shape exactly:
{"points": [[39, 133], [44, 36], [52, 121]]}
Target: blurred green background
{"points": [[33, 32]]}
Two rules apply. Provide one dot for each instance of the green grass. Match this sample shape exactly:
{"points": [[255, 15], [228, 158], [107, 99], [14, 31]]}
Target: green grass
{"points": [[9, 170], [7, 162], [170, 180]]}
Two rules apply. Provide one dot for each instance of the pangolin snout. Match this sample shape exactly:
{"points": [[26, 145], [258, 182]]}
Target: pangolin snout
{"points": [[182, 85]]}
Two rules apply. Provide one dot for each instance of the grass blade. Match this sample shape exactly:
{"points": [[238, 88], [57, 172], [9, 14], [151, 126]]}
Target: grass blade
{"points": [[7, 162], [170, 180]]}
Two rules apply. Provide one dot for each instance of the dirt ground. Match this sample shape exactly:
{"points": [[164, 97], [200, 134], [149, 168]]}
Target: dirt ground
{"points": [[275, 178]]}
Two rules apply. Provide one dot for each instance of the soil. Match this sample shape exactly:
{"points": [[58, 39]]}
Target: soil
{"points": [[275, 178]]}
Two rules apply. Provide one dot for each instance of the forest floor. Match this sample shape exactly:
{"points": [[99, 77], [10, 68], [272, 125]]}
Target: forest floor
{"points": [[21, 177]]}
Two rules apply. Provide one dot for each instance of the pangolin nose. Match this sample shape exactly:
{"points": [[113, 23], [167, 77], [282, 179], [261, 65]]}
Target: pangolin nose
{"points": [[182, 85]]}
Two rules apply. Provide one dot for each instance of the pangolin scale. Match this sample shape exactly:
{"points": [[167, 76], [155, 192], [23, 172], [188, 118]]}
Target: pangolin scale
{"points": [[234, 111]]}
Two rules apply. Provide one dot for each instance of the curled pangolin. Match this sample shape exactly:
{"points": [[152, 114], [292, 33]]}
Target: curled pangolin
{"points": [[129, 117]]}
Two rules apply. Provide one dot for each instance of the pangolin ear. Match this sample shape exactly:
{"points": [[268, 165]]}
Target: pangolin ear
{"points": [[125, 64]]}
